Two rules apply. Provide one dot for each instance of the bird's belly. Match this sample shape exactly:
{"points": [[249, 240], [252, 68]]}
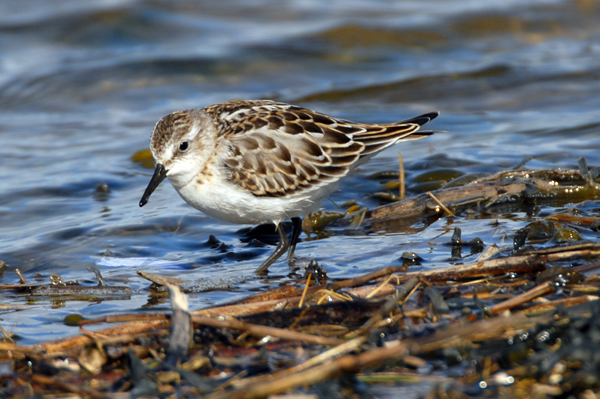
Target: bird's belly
{"points": [[232, 204]]}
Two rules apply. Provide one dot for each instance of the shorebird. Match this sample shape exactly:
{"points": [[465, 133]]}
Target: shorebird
{"points": [[262, 161]]}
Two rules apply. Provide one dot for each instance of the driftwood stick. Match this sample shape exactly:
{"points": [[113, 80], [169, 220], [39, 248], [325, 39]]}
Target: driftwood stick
{"points": [[488, 190], [83, 391], [262, 331], [421, 204], [528, 263], [518, 300]]}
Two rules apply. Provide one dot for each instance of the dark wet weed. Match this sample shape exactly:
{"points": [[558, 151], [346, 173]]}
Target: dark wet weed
{"points": [[518, 321]]}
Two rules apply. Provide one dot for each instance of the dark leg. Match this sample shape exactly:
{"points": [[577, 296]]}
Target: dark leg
{"points": [[296, 230], [280, 250]]}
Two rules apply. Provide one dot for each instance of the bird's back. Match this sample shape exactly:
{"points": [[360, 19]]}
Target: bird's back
{"points": [[278, 149]]}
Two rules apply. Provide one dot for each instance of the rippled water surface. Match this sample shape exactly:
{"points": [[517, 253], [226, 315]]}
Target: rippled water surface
{"points": [[83, 83]]}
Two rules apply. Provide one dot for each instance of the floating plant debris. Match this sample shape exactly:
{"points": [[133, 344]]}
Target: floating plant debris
{"points": [[515, 321]]}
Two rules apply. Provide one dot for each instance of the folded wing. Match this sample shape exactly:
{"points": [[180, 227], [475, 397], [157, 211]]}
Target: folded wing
{"points": [[277, 149]]}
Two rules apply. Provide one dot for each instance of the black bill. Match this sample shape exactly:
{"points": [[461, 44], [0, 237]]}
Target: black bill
{"points": [[159, 175]]}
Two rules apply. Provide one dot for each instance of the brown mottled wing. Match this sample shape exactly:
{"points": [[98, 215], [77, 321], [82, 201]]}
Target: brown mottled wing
{"points": [[277, 149]]}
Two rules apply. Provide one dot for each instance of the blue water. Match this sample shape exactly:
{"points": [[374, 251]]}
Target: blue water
{"points": [[83, 83]]}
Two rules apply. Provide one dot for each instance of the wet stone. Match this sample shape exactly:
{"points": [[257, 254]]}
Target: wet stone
{"points": [[102, 191], [520, 239], [456, 236], [476, 245], [411, 259], [565, 234], [540, 230], [102, 188], [561, 276]]}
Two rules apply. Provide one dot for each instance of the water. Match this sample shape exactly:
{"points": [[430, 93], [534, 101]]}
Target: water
{"points": [[82, 85]]}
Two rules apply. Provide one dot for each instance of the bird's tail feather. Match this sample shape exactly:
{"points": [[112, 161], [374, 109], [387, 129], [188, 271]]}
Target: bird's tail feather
{"points": [[378, 137]]}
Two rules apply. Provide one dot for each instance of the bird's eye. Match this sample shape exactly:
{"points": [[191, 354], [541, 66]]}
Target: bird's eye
{"points": [[184, 146]]}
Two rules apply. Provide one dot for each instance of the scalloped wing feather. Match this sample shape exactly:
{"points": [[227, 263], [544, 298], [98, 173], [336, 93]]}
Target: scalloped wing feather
{"points": [[278, 149]]}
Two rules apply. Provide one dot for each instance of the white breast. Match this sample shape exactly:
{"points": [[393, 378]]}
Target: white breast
{"points": [[222, 200]]}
